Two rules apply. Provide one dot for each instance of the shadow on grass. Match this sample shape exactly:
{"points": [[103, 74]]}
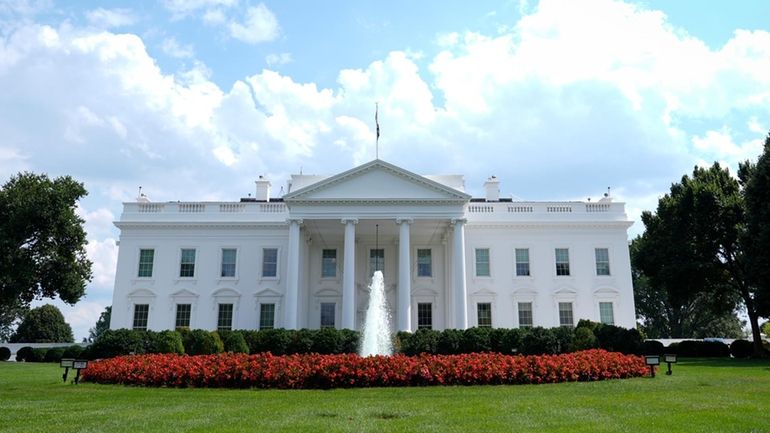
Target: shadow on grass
{"points": [[726, 362]]}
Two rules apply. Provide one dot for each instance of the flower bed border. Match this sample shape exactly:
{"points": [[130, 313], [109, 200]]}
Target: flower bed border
{"points": [[315, 371]]}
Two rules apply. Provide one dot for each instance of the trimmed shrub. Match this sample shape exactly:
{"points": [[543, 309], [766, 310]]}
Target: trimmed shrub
{"points": [[652, 347], [422, 341], [5, 353], [510, 341], [539, 341], [348, 341], [742, 348], [326, 341], [54, 354], [235, 343], [202, 342], [585, 339], [301, 341], [476, 340], [115, 342], [165, 342], [565, 339], [694, 349], [38, 354], [24, 354], [275, 341], [73, 351], [449, 342]]}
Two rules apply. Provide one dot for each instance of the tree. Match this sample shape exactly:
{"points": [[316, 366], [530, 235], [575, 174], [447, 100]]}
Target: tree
{"points": [[10, 316], [756, 239], [42, 241], [102, 324], [43, 325], [694, 246]]}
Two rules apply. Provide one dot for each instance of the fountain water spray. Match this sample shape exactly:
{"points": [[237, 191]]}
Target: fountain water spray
{"points": [[376, 338]]}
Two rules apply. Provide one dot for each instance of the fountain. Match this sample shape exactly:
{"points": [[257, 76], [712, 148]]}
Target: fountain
{"points": [[375, 337]]}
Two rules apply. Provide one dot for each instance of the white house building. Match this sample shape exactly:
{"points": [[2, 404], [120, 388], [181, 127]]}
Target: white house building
{"points": [[305, 260]]}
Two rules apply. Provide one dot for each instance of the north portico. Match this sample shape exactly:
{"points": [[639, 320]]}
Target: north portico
{"points": [[380, 209], [305, 260]]}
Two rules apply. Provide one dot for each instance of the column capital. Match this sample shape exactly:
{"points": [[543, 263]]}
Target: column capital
{"points": [[455, 221], [298, 221], [349, 220], [401, 220]]}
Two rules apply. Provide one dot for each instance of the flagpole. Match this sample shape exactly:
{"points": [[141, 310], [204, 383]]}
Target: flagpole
{"points": [[377, 123]]}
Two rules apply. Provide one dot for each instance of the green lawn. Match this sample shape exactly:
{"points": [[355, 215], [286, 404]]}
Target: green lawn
{"points": [[701, 396]]}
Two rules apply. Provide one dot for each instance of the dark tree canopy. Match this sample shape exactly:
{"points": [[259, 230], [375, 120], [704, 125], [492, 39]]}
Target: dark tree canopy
{"points": [[101, 325], [694, 254], [42, 241], [43, 325], [10, 315]]}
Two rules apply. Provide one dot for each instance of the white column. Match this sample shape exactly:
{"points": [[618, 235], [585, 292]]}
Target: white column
{"points": [[349, 275], [459, 294], [404, 276], [292, 277]]}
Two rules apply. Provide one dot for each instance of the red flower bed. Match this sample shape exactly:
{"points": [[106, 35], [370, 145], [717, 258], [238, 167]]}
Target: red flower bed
{"points": [[332, 371]]}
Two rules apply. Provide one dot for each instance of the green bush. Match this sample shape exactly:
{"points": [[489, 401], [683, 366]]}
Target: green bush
{"points": [[538, 341], [476, 340], [75, 352], [585, 339], [275, 341], [38, 354], [326, 341], [165, 342], [694, 349], [116, 342], [510, 341], [652, 347], [5, 353], [348, 341], [301, 340], [422, 341], [565, 339], [235, 343], [202, 342], [54, 354], [449, 342], [24, 354], [742, 348]]}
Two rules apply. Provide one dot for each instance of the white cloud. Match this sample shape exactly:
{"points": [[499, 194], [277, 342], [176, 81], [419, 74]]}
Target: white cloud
{"points": [[110, 18], [181, 8], [274, 59], [174, 49], [720, 146], [214, 17], [259, 25]]}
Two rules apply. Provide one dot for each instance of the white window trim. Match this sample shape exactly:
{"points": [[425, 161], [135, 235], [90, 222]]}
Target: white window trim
{"points": [[368, 249], [599, 310], [261, 262], [327, 297], [337, 267], [136, 267], [424, 296], [476, 276], [195, 264], [569, 262], [226, 295], [609, 258], [269, 296], [484, 300], [415, 264], [531, 268], [183, 297], [565, 294], [237, 263]]}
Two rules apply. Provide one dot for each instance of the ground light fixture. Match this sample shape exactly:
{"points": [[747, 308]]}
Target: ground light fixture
{"points": [[66, 364], [669, 358], [652, 361], [77, 364]]}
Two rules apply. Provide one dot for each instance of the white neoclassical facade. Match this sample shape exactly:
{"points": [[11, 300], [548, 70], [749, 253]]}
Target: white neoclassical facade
{"points": [[305, 260]]}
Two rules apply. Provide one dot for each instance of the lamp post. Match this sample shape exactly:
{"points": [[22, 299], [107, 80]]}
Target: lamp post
{"points": [[669, 358], [652, 361], [66, 364]]}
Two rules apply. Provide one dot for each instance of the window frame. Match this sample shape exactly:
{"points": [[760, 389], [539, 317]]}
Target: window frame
{"points": [[478, 315], [561, 272], [335, 262], [562, 323], [531, 314], [182, 263], [263, 263], [222, 263], [261, 318], [430, 310], [146, 318], [177, 326], [220, 327], [612, 312], [597, 262], [333, 324], [516, 263], [476, 262], [418, 265], [373, 265], [139, 263]]}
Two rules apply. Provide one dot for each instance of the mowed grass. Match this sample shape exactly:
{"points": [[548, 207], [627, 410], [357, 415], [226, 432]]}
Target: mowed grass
{"points": [[701, 396]]}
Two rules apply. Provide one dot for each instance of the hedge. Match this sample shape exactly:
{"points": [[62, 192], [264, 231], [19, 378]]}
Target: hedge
{"points": [[5, 353]]}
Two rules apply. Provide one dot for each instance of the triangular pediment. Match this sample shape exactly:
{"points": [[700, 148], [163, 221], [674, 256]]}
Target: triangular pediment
{"points": [[376, 181]]}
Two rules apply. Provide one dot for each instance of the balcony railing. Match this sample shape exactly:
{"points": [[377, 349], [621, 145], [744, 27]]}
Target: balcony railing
{"points": [[204, 211], [545, 211]]}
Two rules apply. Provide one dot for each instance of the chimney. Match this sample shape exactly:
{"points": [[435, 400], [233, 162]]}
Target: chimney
{"points": [[263, 189], [492, 189]]}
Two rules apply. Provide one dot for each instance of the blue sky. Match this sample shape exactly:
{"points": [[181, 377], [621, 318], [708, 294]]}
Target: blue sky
{"points": [[194, 99]]}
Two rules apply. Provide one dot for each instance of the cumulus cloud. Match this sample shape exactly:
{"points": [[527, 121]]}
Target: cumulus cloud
{"points": [[274, 59], [174, 49], [259, 25], [181, 8], [110, 18]]}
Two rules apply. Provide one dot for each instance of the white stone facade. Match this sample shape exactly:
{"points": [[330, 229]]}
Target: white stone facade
{"points": [[306, 259]]}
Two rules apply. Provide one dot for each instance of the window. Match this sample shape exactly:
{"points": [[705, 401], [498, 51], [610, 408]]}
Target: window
{"points": [[228, 262], [562, 261], [606, 315], [565, 314], [187, 263], [602, 261], [183, 313], [327, 314], [424, 315], [328, 263], [377, 260], [525, 315], [141, 313], [522, 262], [482, 262], [484, 311], [146, 258], [424, 263], [225, 317], [266, 316], [269, 262]]}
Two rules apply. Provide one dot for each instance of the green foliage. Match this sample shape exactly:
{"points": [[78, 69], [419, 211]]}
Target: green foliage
{"points": [[5, 353], [449, 342], [54, 354], [476, 340], [539, 341], [234, 342], [741, 348], [422, 341], [202, 342], [164, 342], [301, 341], [115, 342], [24, 353], [10, 317], [326, 341], [275, 341], [700, 349], [75, 351], [585, 339], [102, 324], [42, 241], [652, 347], [44, 324], [766, 329], [348, 341]]}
